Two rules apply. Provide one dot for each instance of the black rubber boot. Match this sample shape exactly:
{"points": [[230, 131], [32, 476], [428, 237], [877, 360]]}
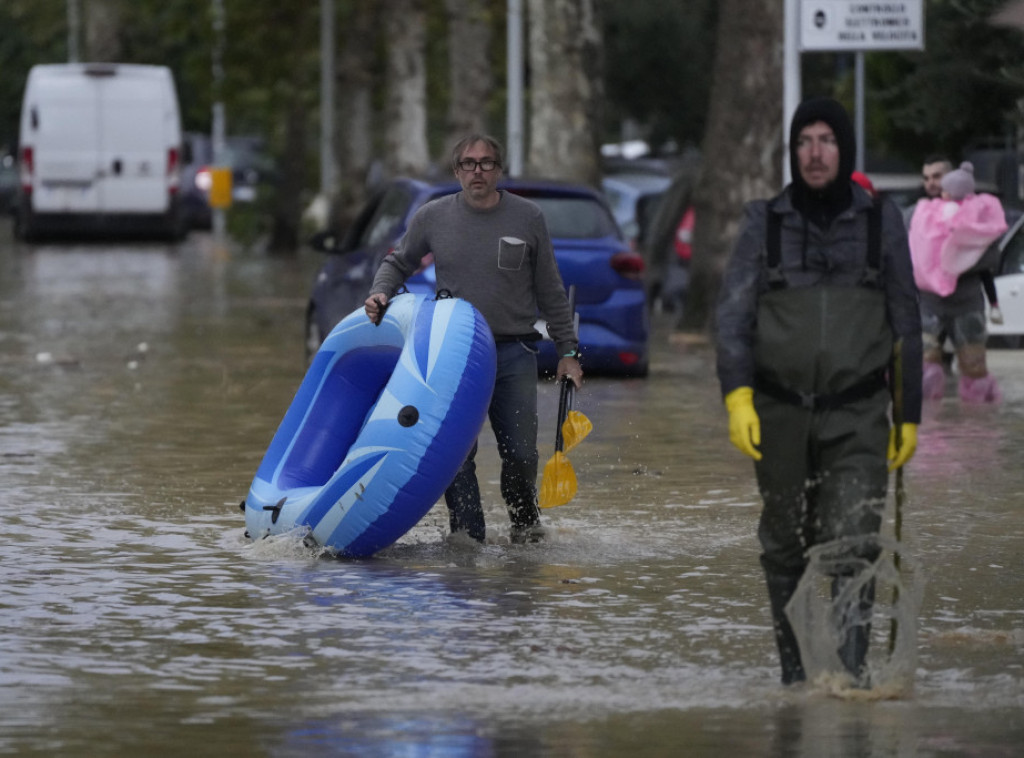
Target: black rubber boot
{"points": [[780, 589], [465, 512], [854, 630]]}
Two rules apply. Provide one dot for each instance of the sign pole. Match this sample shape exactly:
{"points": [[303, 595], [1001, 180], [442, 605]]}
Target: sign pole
{"points": [[791, 85]]}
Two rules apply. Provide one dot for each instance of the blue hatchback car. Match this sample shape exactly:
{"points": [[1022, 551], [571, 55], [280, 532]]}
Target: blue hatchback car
{"points": [[592, 254]]}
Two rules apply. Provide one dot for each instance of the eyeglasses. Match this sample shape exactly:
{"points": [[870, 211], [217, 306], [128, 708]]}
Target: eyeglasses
{"points": [[468, 164], [825, 141]]}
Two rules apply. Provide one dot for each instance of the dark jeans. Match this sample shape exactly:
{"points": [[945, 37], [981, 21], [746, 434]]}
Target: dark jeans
{"points": [[513, 416]]}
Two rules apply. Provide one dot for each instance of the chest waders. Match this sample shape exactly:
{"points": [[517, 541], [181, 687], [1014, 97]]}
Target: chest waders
{"points": [[821, 354]]}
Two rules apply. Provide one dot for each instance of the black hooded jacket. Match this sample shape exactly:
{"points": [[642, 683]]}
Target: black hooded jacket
{"points": [[824, 241]]}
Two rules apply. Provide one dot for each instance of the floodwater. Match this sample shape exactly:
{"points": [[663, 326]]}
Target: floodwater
{"points": [[141, 384]]}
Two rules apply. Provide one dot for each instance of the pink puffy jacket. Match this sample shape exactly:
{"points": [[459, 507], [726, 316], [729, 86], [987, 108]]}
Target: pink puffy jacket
{"points": [[944, 245]]}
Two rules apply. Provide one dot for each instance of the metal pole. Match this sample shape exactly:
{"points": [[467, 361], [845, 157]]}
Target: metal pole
{"points": [[858, 69], [791, 85], [219, 128], [514, 65], [327, 172], [74, 22]]}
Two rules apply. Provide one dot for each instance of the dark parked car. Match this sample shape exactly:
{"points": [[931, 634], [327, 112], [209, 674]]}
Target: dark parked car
{"points": [[589, 247], [8, 183], [250, 165], [634, 200]]}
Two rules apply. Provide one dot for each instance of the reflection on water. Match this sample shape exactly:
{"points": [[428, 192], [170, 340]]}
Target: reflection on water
{"points": [[137, 620]]}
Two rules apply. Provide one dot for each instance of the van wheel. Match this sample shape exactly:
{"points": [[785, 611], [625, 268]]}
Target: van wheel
{"points": [[23, 228]]}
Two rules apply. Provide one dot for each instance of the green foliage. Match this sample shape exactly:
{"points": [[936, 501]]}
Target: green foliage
{"points": [[31, 31], [658, 59], [962, 89]]}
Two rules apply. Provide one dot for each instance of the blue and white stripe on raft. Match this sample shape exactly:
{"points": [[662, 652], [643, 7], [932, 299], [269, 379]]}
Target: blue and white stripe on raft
{"points": [[379, 426]]}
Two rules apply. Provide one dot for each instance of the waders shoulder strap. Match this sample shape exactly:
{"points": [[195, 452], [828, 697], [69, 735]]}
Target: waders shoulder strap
{"points": [[872, 272], [773, 247]]}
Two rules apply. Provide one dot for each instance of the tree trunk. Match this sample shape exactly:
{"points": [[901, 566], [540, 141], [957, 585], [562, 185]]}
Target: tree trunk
{"points": [[406, 150], [290, 193], [353, 136], [470, 72], [566, 52], [287, 213], [102, 31], [743, 147]]}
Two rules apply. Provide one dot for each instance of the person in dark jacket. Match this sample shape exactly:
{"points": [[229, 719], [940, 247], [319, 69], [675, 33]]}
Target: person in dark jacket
{"points": [[817, 292]]}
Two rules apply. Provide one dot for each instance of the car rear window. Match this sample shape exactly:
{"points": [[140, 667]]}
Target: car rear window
{"points": [[576, 217]]}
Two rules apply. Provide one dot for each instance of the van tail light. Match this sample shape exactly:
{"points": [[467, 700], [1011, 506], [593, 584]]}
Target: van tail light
{"points": [[628, 265], [28, 167], [172, 169]]}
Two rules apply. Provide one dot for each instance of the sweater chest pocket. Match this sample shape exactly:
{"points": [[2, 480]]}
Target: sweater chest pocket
{"points": [[511, 253]]}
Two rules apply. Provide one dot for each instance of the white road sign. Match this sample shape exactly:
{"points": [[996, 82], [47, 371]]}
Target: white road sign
{"points": [[861, 25]]}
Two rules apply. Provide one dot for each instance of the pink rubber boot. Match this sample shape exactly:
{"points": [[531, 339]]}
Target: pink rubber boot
{"points": [[933, 381], [984, 389]]}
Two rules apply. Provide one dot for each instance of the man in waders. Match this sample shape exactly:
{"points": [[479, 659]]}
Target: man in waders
{"points": [[818, 290]]}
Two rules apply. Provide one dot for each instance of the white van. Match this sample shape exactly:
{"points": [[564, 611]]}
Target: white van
{"points": [[99, 151]]}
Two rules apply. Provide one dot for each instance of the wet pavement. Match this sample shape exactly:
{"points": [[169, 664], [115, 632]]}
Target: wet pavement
{"points": [[141, 386]]}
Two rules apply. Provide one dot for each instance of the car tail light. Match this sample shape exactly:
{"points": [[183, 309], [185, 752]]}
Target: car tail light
{"points": [[203, 179], [628, 265], [27, 169], [629, 359]]}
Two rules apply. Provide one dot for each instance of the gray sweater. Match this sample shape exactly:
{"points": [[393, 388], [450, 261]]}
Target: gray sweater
{"points": [[499, 259]]}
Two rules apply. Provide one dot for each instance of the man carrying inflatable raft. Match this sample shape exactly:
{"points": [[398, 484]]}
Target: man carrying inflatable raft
{"points": [[421, 373]]}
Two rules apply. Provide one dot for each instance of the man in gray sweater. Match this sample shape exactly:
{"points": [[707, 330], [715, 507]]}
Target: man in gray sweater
{"points": [[492, 248]]}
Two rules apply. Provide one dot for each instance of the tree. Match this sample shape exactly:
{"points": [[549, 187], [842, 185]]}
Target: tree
{"points": [[964, 87], [470, 75], [565, 89], [658, 53], [103, 30], [743, 144], [354, 148], [405, 148]]}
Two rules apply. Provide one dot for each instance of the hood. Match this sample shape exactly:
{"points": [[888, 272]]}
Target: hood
{"points": [[836, 195]]}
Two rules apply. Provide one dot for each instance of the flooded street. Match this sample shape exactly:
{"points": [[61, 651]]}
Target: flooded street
{"points": [[141, 385]]}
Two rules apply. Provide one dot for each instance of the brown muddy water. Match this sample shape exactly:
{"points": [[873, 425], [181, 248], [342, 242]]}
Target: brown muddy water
{"points": [[141, 385]]}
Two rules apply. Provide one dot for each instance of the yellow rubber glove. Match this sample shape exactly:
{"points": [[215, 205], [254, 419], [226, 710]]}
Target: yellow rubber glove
{"points": [[744, 425], [897, 457]]}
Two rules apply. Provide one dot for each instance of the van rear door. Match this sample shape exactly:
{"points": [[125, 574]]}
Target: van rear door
{"points": [[64, 123], [134, 138]]}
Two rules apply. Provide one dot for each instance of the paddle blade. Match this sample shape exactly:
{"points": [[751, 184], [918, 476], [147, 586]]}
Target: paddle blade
{"points": [[559, 484], [575, 428]]}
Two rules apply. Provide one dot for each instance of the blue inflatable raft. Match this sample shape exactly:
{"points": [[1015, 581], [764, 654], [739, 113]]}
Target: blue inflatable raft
{"points": [[379, 426]]}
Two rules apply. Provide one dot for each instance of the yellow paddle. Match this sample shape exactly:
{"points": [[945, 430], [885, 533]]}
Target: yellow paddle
{"points": [[558, 485], [575, 428]]}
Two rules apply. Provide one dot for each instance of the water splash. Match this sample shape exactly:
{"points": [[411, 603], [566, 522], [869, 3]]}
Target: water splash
{"points": [[825, 610]]}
